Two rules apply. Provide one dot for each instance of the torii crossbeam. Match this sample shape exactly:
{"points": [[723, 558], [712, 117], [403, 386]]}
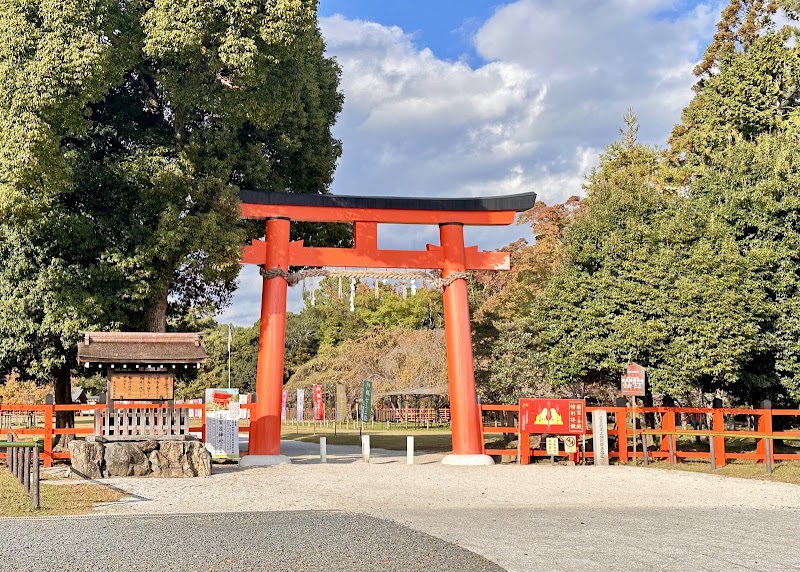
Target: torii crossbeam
{"points": [[451, 257]]}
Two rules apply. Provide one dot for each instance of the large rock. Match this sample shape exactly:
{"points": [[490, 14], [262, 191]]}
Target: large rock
{"points": [[126, 460], [86, 458], [139, 459], [180, 459]]}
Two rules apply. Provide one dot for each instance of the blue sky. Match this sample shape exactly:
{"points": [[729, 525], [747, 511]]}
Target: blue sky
{"points": [[479, 98], [446, 27]]}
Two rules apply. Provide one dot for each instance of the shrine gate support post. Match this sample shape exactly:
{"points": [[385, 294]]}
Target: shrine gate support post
{"points": [[265, 425], [464, 412], [276, 254]]}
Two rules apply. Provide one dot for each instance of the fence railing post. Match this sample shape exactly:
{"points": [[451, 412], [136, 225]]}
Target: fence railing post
{"points": [[10, 454], [718, 426], [711, 453], [35, 478], [524, 448], [768, 456], [26, 469], [667, 425], [621, 415], [49, 412]]}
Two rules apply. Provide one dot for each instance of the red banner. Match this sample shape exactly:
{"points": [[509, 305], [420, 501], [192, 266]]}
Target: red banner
{"points": [[553, 416], [319, 406]]}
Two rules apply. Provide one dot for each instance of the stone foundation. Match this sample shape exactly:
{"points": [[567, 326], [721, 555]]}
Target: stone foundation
{"points": [[95, 460]]}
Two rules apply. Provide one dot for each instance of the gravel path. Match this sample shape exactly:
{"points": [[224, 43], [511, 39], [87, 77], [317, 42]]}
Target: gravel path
{"points": [[525, 519]]}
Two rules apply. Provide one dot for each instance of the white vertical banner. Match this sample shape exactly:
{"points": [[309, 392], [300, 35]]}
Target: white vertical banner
{"points": [[301, 401]]}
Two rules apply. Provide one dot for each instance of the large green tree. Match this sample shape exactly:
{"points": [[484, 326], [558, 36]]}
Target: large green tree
{"points": [[650, 276], [126, 128]]}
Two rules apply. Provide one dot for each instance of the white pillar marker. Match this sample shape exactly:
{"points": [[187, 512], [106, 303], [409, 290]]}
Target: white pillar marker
{"points": [[323, 449], [410, 450], [365, 448]]}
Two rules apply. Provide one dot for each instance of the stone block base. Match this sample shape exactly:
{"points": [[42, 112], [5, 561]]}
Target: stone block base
{"points": [[94, 460]]}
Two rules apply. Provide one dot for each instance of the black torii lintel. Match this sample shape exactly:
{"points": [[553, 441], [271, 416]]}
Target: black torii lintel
{"points": [[516, 203]]}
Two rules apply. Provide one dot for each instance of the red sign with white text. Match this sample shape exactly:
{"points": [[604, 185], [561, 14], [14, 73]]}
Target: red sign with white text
{"points": [[553, 416], [633, 382], [319, 406]]}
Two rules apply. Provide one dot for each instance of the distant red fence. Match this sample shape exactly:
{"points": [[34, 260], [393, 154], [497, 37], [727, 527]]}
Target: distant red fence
{"points": [[39, 421], [670, 423]]}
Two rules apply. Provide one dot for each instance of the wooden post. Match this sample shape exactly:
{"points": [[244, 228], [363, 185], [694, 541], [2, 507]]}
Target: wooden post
{"points": [[667, 425], [26, 469], [711, 453], [524, 448], [48, 435], [765, 445], [633, 414], [672, 449], [622, 433], [768, 456], [718, 426], [35, 478]]}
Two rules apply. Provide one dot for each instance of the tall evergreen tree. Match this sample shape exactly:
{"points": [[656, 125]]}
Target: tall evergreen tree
{"points": [[126, 128]]}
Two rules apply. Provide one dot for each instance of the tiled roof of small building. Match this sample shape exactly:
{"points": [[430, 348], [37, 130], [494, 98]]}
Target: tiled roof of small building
{"points": [[141, 347]]}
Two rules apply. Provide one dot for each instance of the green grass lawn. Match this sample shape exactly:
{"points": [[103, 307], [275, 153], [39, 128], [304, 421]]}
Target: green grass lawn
{"points": [[784, 471], [437, 440], [54, 499]]}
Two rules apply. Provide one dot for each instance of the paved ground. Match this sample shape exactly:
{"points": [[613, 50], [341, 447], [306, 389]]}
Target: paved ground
{"points": [[524, 519], [312, 541]]}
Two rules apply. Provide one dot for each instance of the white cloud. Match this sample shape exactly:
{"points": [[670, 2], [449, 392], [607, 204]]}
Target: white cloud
{"points": [[556, 80]]}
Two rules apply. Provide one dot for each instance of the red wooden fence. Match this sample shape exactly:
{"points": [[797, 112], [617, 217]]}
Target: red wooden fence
{"points": [[668, 427]]}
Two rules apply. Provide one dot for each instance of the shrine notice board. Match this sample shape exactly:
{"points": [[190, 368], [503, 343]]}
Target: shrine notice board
{"points": [[553, 416], [144, 385]]}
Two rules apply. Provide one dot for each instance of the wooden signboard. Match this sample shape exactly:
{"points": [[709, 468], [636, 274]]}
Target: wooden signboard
{"points": [[136, 385], [633, 383], [553, 416]]}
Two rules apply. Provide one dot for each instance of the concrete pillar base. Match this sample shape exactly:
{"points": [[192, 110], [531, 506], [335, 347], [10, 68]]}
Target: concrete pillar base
{"points": [[467, 460], [264, 460]]}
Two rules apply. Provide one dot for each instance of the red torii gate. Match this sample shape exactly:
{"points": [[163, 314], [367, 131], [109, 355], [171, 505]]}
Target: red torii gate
{"points": [[276, 254]]}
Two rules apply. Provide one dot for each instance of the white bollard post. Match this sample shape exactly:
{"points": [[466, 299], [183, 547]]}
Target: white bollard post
{"points": [[365, 448], [323, 449], [410, 450]]}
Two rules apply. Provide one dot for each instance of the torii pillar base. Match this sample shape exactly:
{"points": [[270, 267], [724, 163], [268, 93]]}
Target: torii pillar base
{"points": [[264, 460], [468, 460]]}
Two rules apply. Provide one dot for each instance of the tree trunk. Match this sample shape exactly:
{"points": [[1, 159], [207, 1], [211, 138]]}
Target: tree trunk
{"points": [[63, 396], [157, 315]]}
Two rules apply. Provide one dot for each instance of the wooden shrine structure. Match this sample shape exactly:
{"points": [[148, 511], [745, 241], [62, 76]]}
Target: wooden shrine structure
{"points": [[277, 253], [140, 368]]}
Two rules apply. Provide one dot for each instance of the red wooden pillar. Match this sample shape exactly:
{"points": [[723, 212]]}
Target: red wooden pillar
{"points": [[464, 411], [764, 428], [621, 416], [668, 426], [718, 426], [265, 422]]}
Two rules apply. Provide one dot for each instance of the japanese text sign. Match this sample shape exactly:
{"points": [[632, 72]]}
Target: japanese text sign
{"points": [[633, 382], [553, 416], [319, 406]]}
